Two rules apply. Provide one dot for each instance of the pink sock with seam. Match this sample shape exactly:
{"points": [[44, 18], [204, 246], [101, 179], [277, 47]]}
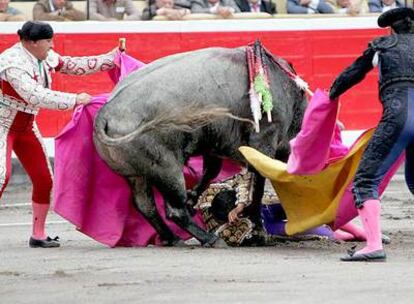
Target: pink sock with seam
{"points": [[370, 217], [343, 235], [358, 233], [39, 219]]}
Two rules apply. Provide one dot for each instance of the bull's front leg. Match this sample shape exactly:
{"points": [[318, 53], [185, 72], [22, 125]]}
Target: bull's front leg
{"points": [[172, 187], [258, 190], [254, 209], [211, 169], [144, 202]]}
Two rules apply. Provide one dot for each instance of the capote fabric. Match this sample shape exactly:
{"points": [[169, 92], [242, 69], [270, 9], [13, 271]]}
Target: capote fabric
{"points": [[314, 187], [95, 199]]}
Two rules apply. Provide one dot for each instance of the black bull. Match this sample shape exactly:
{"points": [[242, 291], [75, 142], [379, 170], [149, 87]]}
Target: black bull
{"points": [[180, 106]]}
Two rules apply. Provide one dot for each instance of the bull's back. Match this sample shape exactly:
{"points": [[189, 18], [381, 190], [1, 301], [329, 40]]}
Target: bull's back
{"points": [[215, 76]]}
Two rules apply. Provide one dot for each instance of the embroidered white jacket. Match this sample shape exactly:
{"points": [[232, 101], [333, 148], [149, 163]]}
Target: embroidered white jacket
{"points": [[32, 83]]}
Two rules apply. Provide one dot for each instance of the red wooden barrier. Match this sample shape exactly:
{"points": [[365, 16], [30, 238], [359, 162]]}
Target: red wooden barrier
{"points": [[318, 54]]}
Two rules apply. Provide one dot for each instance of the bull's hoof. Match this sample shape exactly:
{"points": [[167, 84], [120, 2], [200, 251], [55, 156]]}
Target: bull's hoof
{"points": [[174, 242], [180, 243], [220, 243], [257, 239], [190, 209], [192, 198], [216, 243], [192, 242]]}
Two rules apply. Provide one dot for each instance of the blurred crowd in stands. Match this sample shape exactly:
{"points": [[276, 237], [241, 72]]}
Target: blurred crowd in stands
{"points": [[109, 10]]}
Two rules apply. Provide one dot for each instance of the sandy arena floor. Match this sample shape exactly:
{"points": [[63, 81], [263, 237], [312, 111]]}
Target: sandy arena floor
{"points": [[83, 271]]}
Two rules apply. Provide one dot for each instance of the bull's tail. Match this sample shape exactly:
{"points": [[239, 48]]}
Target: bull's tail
{"points": [[186, 119], [189, 119], [100, 133]]}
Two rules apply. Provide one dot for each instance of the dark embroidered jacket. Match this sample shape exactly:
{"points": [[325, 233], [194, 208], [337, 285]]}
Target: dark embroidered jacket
{"points": [[395, 63]]}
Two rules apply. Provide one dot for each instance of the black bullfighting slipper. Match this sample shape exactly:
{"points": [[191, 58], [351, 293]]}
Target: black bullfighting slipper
{"points": [[374, 256], [47, 243]]}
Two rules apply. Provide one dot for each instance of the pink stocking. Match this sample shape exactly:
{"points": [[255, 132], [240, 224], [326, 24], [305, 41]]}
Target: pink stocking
{"points": [[370, 217], [39, 220], [343, 235], [357, 232]]}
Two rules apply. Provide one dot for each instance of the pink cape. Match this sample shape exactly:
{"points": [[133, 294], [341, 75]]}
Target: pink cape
{"points": [[95, 199], [319, 143]]}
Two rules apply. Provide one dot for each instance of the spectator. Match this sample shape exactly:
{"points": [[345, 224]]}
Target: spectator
{"points": [[109, 10], [223, 8], [380, 6], [349, 7], [8, 13], [308, 7], [173, 10], [257, 6], [56, 10]]}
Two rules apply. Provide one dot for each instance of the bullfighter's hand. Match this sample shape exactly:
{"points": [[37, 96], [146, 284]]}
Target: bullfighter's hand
{"points": [[234, 215], [117, 49], [340, 125], [83, 99]]}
